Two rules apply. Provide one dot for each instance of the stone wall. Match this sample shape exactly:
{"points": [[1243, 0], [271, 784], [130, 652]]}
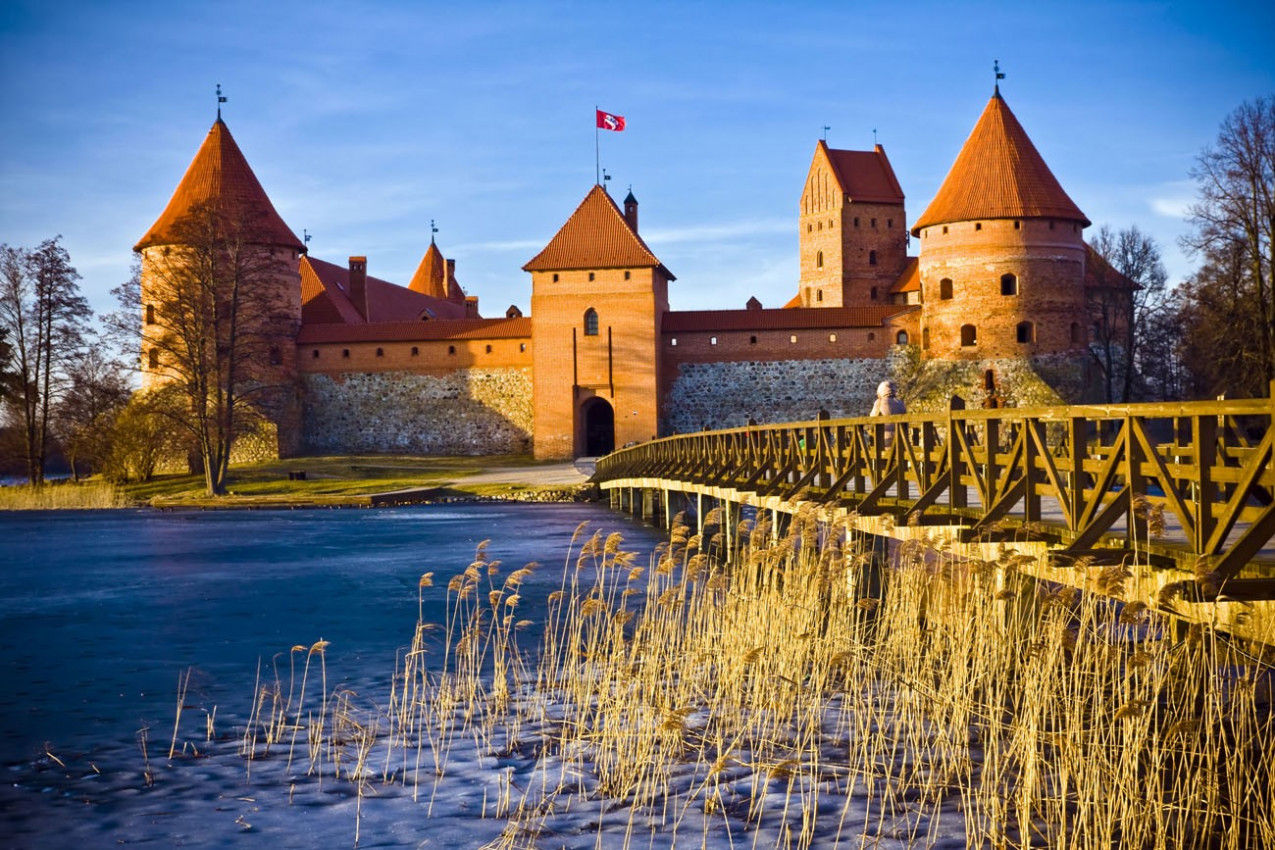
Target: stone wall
{"points": [[466, 412], [725, 395]]}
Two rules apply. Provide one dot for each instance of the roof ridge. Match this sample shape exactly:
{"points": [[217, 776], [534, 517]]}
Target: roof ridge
{"points": [[596, 235]]}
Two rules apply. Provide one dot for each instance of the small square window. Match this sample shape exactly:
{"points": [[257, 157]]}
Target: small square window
{"points": [[555, 277], [874, 222], [489, 349], [345, 352], [451, 349], [627, 274], [590, 275], [752, 340], [315, 354], [978, 225], [522, 346], [416, 351], [832, 337], [380, 352], [673, 341], [792, 338], [712, 340]]}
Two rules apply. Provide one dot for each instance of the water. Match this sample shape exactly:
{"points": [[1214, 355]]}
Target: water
{"points": [[101, 611]]}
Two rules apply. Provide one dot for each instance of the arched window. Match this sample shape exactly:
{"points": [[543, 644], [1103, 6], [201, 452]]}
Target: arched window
{"points": [[591, 322], [901, 338], [1026, 332], [872, 258], [945, 289], [819, 260], [1009, 284], [1075, 332], [969, 335], [152, 358]]}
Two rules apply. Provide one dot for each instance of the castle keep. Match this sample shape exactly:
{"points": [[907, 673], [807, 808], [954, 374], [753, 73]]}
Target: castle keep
{"points": [[994, 306]]}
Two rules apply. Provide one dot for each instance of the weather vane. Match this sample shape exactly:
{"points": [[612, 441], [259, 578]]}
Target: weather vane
{"points": [[826, 128], [305, 237], [605, 176], [874, 137], [220, 100], [996, 68], [432, 231]]}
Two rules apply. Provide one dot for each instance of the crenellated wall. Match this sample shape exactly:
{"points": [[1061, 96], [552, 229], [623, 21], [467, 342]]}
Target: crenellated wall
{"points": [[465, 412]]}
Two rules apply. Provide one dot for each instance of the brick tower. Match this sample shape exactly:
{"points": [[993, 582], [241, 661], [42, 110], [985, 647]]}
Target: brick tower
{"points": [[1002, 259], [854, 238], [598, 295], [219, 186]]}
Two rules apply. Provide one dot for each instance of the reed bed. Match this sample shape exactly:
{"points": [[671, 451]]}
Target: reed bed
{"points": [[798, 692], [85, 495]]}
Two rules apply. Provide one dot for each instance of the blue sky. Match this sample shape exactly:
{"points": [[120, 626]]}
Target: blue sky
{"points": [[364, 121]]}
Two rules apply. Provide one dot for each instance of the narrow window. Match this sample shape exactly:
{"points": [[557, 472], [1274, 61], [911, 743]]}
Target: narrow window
{"points": [[522, 346], [380, 352], [821, 226], [489, 349], [945, 230], [314, 354], [345, 352], [889, 224], [945, 289], [451, 349], [969, 336], [752, 340], [978, 225], [873, 293], [1009, 284], [856, 221], [872, 258], [276, 356], [819, 295], [1018, 225], [925, 338], [152, 358], [712, 340], [874, 224], [792, 338], [555, 277], [819, 260], [1026, 332], [673, 341], [1051, 225], [832, 337], [901, 338], [1075, 332], [590, 275], [416, 351], [591, 321], [150, 314], [627, 274], [871, 336]]}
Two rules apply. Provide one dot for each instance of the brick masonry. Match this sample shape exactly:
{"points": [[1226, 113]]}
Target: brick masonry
{"points": [[465, 412]]}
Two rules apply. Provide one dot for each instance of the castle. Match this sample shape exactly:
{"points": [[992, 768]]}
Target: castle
{"points": [[994, 306]]}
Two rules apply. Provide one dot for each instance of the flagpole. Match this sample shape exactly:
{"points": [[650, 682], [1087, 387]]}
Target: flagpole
{"points": [[597, 154]]}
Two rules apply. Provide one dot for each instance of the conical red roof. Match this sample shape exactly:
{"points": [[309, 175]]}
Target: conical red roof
{"points": [[597, 236], [220, 173], [431, 275], [998, 174]]}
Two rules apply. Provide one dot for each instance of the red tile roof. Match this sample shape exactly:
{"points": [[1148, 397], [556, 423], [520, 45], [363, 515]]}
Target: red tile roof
{"points": [[998, 174], [431, 274], [219, 173], [787, 318], [910, 278], [596, 236], [325, 298], [459, 329], [865, 176]]}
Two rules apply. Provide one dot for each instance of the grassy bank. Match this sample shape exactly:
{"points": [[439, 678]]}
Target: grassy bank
{"points": [[63, 495]]}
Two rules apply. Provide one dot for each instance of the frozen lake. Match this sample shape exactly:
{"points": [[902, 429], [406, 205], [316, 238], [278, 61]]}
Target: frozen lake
{"points": [[100, 612]]}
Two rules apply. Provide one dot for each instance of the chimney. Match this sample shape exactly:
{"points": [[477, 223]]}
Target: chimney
{"points": [[358, 284], [630, 211], [454, 292]]}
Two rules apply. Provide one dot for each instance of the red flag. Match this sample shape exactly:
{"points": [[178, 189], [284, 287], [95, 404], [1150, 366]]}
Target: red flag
{"points": [[607, 121]]}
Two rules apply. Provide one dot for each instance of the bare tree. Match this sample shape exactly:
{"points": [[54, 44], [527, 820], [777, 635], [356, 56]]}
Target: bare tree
{"points": [[98, 389], [1130, 293], [42, 309], [213, 332], [1234, 231]]}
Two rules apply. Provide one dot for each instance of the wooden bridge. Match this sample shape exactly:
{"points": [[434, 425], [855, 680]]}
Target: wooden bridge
{"points": [[1180, 493]]}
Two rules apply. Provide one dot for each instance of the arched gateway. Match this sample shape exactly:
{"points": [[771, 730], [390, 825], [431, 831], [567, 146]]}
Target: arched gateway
{"points": [[599, 427]]}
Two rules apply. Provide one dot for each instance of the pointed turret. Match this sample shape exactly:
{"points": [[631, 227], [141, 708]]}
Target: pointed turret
{"points": [[220, 174], [997, 175], [431, 275]]}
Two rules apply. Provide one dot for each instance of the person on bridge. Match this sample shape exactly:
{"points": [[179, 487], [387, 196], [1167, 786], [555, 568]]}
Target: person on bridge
{"points": [[887, 404]]}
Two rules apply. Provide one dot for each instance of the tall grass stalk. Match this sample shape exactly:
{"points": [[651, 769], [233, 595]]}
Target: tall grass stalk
{"points": [[86, 495]]}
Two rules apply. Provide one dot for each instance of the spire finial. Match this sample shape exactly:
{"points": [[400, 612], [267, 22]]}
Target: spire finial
{"points": [[826, 128], [874, 137], [432, 231], [996, 69], [220, 100]]}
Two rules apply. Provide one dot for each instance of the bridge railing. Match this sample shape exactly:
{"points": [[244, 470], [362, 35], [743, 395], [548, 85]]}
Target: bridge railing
{"points": [[1191, 480]]}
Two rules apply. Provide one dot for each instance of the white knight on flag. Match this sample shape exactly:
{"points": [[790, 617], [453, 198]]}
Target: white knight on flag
{"points": [[607, 121]]}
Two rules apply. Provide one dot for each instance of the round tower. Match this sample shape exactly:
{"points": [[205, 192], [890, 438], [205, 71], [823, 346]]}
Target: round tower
{"points": [[220, 248], [1002, 257]]}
